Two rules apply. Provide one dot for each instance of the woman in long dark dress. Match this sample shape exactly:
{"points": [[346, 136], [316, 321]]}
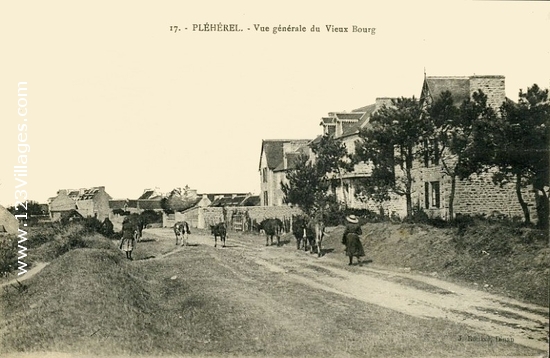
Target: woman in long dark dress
{"points": [[352, 239]]}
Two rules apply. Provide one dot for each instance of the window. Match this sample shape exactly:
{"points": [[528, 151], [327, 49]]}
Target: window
{"points": [[266, 202], [264, 175], [431, 152], [432, 196]]}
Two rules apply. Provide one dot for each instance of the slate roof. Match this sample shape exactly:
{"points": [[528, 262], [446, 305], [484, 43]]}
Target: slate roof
{"points": [[434, 86], [353, 128], [351, 115], [146, 194], [233, 201], [88, 194], [252, 200], [328, 120], [117, 204], [213, 196], [292, 159], [238, 200], [73, 194], [147, 204], [83, 194], [273, 149]]}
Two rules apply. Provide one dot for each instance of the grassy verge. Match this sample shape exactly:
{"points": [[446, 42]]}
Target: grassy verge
{"points": [[511, 261]]}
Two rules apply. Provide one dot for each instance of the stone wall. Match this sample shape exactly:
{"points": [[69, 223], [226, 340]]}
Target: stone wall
{"points": [[396, 206], [492, 86], [480, 196], [191, 216], [204, 217], [477, 195]]}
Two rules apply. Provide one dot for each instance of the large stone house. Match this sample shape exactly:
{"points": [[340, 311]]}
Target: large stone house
{"points": [[346, 126], [277, 156], [90, 202], [431, 187], [478, 194]]}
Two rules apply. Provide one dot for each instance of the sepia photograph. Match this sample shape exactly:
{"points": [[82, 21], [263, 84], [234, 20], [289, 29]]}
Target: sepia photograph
{"points": [[274, 179]]}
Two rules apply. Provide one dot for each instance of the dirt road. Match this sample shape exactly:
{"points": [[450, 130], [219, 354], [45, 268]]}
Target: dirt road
{"points": [[492, 316], [251, 300]]}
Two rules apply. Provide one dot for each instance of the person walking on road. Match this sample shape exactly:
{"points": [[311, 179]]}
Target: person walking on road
{"points": [[128, 241], [352, 239]]}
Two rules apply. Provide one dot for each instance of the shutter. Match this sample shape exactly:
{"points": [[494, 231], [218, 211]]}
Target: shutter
{"points": [[427, 195]]}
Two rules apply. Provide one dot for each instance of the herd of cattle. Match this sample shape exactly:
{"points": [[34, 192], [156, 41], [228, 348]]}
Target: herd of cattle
{"points": [[309, 232]]}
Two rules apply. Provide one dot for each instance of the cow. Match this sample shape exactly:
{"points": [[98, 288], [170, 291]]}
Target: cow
{"points": [[309, 231], [302, 232], [319, 229], [219, 230], [271, 227], [137, 222], [181, 229]]}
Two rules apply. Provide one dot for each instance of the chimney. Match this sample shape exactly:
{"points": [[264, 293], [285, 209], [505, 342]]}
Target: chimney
{"points": [[492, 86]]}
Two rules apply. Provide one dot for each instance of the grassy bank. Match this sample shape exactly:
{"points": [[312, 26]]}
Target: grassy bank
{"points": [[509, 260]]}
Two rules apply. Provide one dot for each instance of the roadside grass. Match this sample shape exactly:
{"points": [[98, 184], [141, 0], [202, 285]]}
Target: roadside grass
{"points": [[490, 256], [204, 301], [46, 242]]}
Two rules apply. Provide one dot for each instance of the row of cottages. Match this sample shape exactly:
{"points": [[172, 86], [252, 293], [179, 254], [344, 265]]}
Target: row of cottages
{"points": [[87, 202], [431, 187], [194, 213], [150, 199]]}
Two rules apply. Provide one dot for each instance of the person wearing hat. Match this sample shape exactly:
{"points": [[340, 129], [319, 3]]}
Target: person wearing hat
{"points": [[352, 239], [128, 238]]}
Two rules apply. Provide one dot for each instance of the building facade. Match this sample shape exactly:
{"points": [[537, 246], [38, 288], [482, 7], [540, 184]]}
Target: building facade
{"points": [[431, 187], [276, 158], [89, 202]]}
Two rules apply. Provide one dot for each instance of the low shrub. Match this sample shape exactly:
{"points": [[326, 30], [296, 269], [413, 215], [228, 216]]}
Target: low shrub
{"points": [[8, 254]]}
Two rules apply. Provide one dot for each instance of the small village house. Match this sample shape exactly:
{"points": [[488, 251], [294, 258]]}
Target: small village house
{"points": [[276, 158], [90, 202]]}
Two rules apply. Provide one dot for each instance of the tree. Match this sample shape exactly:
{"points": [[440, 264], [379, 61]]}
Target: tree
{"points": [[306, 188], [460, 134], [332, 159], [522, 148], [150, 217], [393, 140], [32, 208]]}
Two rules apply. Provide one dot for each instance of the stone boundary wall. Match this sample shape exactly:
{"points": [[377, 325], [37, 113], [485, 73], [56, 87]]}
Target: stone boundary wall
{"points": [[214, 215], [191, 216], [204, 217]]}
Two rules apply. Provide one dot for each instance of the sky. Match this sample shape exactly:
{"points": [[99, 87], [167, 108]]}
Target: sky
{"points": [[116, 99]]}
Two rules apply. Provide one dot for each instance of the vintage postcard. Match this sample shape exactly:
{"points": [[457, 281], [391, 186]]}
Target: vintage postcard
{"points": [[274, 179]]}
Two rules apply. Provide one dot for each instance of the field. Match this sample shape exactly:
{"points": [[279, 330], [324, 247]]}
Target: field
{"points": [[251, 300]]}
